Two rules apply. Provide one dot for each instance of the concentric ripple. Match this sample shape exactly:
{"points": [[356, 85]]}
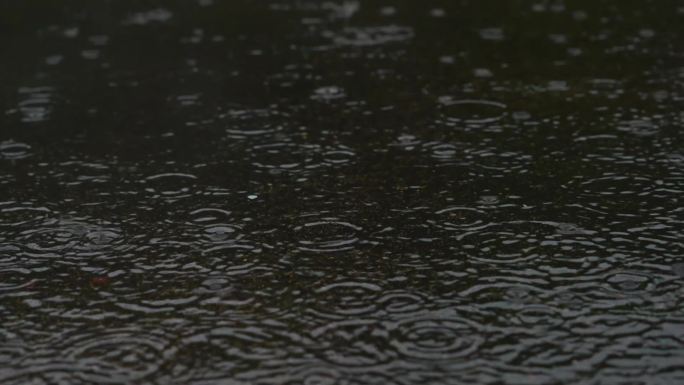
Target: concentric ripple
{"points": [[70, 234], [115, 356], [17, 216], [100, 237], [215, 225], [170, 186], [57, 236], [629, 282], [339, 156], [344, 192], [351, 343], [471, 110], [459, 218], [346, 298], [437, 337], [327, 235], [248, 123], [280, 157], [401, 303], [12, 150]]}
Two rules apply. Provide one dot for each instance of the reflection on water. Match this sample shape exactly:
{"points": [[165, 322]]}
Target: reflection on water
{"points": [[341, 192]]}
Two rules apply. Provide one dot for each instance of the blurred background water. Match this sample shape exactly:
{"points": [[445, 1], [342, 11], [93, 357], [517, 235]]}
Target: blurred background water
{"points": [[358, 192]]}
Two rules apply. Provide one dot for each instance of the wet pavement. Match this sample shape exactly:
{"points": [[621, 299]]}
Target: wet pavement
{"points": [[359, 192]]}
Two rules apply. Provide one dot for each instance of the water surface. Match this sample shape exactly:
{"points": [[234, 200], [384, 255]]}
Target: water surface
{"points": [[306, 192]]}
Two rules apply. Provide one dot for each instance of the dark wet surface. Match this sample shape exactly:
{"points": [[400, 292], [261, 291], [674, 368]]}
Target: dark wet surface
{"points": [[304, 192]]}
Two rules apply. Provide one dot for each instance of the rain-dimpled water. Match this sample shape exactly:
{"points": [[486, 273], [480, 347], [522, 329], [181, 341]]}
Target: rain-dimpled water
{"points": [[341, 192]]}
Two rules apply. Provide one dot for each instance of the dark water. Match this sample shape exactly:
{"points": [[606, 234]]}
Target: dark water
{"points": [[306, 192]]}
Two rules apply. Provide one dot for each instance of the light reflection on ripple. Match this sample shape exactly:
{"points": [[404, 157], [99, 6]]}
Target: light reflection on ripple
{"points": [[471, 111], [401, 303], [12, 150], [209, 215], [370, 36], [280, 157], [219, 233], [233, 258], [629, 282], [341, 155], [56, 236], [345, 298], [351, 343], [244, 123], [70, 234], [20, 215], [102, 356], [37, 103], [459, 218], [310, 210], [327, 235], [439, 337], [170, 186], [119, 356]]}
